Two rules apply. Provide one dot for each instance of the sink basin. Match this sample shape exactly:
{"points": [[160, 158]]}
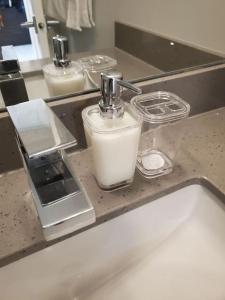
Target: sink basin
{"points": [[171, 248]]}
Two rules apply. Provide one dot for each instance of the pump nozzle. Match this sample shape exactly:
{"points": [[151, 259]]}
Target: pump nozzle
{"points": [[111, 105]]}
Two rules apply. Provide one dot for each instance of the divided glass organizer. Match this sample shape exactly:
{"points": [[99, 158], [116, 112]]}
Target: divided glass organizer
{"points": [[93, 66], [158, 146]]}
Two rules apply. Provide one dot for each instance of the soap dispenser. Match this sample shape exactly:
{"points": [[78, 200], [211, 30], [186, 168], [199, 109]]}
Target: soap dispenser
{"points": [[112, 130], [63, 76]]}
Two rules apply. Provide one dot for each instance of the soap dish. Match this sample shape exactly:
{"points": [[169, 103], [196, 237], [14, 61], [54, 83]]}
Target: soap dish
{"points": [[97, 63]]}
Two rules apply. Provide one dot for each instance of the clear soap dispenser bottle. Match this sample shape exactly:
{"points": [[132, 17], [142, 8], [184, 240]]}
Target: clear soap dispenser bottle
{"points": [[63, 76], [112, 130]]}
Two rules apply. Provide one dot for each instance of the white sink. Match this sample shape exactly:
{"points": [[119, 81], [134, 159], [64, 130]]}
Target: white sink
{"points": [[172, 248]]}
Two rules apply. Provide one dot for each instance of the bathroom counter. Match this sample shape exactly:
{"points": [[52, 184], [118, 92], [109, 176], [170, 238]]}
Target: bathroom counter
{"points": [[201, 159], [129, 65]]}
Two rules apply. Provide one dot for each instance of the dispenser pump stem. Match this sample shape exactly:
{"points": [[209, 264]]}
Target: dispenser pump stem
{"points": [[111, 104], [60, 49]]}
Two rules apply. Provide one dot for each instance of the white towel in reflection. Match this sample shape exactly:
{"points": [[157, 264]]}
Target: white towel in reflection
{"points": [[80, 14], [56, 9], [76, 14]]}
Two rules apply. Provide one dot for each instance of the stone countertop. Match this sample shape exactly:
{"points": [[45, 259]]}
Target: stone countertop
{"points": [[131, 66], [201, 159]]}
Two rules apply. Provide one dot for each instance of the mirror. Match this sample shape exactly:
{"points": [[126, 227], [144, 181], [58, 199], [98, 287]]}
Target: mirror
{"points": [[143, 39]]}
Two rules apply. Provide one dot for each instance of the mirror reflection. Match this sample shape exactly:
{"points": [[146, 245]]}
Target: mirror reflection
{"points": [[143, 39]]}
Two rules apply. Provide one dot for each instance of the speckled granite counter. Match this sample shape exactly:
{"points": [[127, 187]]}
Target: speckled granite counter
{"points": [[201, 159]]}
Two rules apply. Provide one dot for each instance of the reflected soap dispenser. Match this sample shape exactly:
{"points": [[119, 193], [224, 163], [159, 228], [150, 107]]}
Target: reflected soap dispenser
{"points": [[63, 76], [112, 130]]}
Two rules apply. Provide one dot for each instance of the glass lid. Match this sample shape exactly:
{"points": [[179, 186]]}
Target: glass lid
{"points": [[160, 107], [97, 63]]}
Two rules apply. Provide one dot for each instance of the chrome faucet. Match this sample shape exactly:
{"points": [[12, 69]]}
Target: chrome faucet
{"points": [[12, 84], [62, 204]]}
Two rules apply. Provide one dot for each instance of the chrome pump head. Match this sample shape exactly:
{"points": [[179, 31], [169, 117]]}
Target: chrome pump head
{"points": [[111, 104], [60, 49]]}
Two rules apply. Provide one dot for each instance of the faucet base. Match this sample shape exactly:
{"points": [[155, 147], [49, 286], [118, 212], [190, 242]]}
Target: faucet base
{"points": [[61, 204]]}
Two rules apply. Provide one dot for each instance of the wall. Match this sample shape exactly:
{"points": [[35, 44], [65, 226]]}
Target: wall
{"points": [[99, 37], [196, 22]]}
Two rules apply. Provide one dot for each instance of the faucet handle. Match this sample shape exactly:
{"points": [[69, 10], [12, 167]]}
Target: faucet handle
{"points": [[111, 105]]}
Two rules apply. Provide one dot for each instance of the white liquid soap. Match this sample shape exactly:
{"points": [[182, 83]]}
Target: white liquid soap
{"points": [[113, 131], [67, 84], [62, 81], [114, 146]]}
